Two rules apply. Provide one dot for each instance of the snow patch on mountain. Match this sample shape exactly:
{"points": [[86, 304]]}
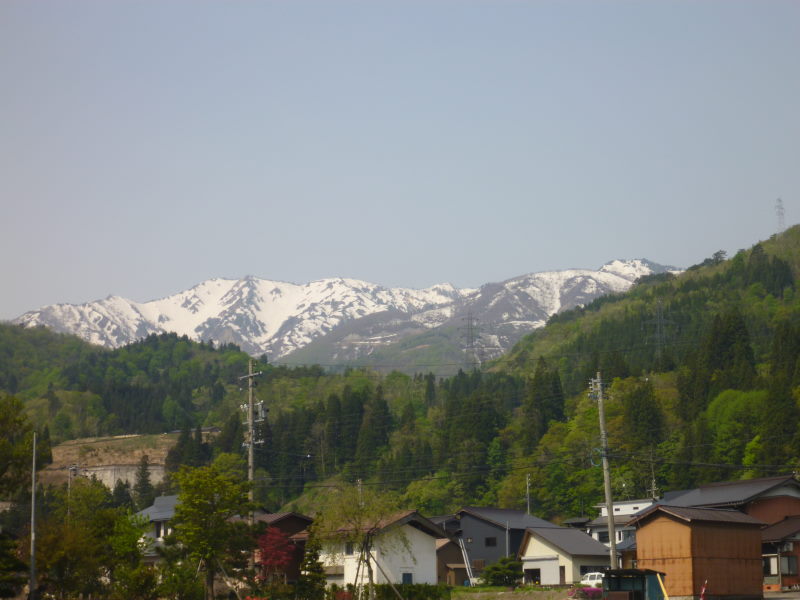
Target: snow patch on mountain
{"points": [[277, 318]]}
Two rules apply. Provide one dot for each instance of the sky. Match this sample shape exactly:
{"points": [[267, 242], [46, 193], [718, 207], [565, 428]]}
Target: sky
{"points": [[146, 146]]}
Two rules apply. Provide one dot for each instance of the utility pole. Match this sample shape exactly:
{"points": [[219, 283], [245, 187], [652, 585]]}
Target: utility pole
{"points": [[32, 593], [528, 493], [251, 441], [597, 388]]}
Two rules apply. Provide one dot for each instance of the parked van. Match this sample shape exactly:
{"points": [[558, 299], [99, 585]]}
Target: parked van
{"points": [[594, 579]]}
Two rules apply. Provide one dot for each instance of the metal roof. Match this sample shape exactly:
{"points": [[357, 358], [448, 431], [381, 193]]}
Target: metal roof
{"points": [[731, 493], [516, 519], [715, 515], [781, 530], [271, 518], [603, 521], [572, 541], [163, 509]]}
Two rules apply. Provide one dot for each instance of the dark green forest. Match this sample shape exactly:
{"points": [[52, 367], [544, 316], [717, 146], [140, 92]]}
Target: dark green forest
{"points": [[701, 372]]}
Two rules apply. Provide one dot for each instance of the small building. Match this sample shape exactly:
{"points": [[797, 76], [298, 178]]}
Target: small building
{"points": [[780, 550], [560, 555], [159, 515], [486, 534], [290, 524], [623, 511], [633, 584], [450, 567], [403, 551], [768, 499], [720, 549]]}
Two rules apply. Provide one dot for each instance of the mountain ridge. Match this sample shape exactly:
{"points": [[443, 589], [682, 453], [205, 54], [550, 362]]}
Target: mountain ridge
{"points": [[276, 318]]}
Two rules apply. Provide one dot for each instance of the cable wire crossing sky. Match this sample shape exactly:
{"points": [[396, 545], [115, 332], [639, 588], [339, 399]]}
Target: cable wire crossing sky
{"points": [[149, 146]]}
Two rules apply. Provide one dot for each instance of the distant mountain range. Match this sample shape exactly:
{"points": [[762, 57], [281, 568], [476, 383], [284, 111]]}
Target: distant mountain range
{"points": [[342, 320]]}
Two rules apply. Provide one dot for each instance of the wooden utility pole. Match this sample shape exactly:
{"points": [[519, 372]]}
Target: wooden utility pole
{"points": [[33, 592], [251, 438], [597, 387]]}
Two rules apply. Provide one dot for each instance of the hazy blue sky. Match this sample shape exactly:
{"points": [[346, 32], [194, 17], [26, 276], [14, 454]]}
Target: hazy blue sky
{"points": [[147, 146]]}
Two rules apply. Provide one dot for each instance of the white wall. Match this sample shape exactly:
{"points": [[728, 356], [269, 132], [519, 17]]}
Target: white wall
{"points": [[538, 554], [416, 556]]}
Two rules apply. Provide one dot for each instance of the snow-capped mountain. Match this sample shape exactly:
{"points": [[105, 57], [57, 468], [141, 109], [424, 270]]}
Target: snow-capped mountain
{"points": [[278, 318], [499, 313]]}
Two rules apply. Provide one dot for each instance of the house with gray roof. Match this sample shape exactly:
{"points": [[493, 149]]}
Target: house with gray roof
{"points": [[560, 555], [486, 534], [768, 499], [159, 515]]}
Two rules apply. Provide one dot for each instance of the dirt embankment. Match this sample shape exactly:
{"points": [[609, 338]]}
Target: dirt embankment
{"points": [[108, 458]]}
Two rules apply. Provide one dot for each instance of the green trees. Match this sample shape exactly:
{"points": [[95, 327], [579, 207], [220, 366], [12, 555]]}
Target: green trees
{"points": [[16, 445], [143, 490], [13, 572], [506, 571], [544, 403], [209, 497], [353, 517], [311, 584]]}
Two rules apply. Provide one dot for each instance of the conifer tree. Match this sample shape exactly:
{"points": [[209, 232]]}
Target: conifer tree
{"points": [[312, 580], [143, 491]]}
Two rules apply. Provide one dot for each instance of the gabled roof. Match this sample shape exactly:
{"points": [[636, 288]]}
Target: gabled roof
{"points": [[405, 517], [627, 544], [567, 539], [163, 509], [732, 493], [271, 518], [781, 530], [516, 519], [619, 520], [689, 515]]}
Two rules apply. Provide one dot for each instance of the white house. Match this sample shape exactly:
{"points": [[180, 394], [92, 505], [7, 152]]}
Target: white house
{"points": [[159, 516], [403, 551], [560, 555], [624, 510]]}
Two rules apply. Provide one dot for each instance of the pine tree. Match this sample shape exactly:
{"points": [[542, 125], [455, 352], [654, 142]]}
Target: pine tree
{"points": [[312, 580], [143, 491]]}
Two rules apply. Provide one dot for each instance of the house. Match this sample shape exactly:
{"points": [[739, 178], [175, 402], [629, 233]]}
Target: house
{"points": [[623, 511], [450, 567], [158, 515], [290, 524], [485, 535], [403, 551], [768, 499], [701, 547], [560, 555], [780, 547]]}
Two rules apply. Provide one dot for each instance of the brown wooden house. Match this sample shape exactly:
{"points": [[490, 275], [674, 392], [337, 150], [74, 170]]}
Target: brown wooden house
{"points": [[768, 499], [781, 554], [291, 524], [698, 545]]}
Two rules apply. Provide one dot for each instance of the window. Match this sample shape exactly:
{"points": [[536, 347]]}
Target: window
{"points": [[478, 563], [602, 536], [348, 548], [408, 578], [490, 542], [159, 532], [789, 565]]}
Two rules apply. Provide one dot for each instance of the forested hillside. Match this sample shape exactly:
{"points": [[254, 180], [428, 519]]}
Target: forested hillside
{"points": [[702, 384]]}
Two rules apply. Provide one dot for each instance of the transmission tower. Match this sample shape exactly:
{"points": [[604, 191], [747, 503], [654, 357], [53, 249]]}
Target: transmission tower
{"points": [[471, 332], [781, 215], [660, 334]]}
